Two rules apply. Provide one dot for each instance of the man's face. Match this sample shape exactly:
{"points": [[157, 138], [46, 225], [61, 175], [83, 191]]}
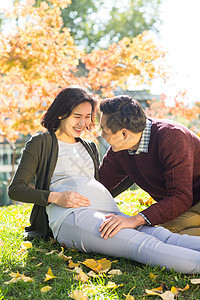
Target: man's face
{"points": [[122, 139]]}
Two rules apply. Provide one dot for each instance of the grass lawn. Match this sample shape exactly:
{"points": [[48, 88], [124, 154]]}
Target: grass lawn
{"points": [[18, 262]]}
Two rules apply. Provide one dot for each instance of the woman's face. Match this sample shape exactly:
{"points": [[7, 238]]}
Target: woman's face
{"points": [[72, 127]]}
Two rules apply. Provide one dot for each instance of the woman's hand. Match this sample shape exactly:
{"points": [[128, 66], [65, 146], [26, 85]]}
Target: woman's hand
{"points": [[114, 224], [68, 199]]}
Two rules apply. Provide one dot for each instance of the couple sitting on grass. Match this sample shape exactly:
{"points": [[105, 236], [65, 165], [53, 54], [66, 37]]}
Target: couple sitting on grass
{"points": [[73, 195]]}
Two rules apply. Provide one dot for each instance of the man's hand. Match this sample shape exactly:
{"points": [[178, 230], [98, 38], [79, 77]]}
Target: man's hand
{"points": [[68, 199], [114, 224]]}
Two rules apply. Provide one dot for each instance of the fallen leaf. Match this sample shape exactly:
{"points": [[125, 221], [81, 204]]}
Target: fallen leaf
{"points": [[152, 276], [105, 265], [26, 245], [81, 277], [115, 272], [174, 290], [38, 265], [46, 289], [168, 295], [49, 275], [72, 264], [17, 276], [112, 285], [92, 264], [129, 297], [77, 270], [98, 266], [51, 252], [61, 255], [79, 295], [92, 274], [1, 243], [195, 281], [185, 288]]}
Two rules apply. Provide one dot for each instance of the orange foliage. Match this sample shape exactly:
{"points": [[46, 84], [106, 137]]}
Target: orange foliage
{"points": [[37, 59], [160, 109], [111, 68]]}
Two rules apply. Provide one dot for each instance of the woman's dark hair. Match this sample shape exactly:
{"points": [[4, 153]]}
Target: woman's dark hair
{"points": [[123, 112], [64, 104]]}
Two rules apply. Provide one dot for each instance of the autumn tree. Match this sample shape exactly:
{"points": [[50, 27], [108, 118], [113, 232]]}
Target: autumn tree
{"points": [[97, 24], [111, 68], [36, 59], [39, 57], [176, 109]]}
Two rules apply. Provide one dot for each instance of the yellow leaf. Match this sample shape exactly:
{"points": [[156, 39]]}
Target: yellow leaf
{"points": [[195, 281], [38, 265], [26, 279], [92, 274], [72, 264], [168, 295], [92, 264], [49, 275], [185, 288], [17, 276], [79, 295], [81, 276], [152, 276], [51, 252], [115, 272], [129, 297], [61, 255], [26, 245], [174, 290], [112, 285], [46, 289], [105, 265]]}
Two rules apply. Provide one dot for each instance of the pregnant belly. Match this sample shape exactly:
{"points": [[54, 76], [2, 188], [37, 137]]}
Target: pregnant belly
{"points": [[99, 196]]}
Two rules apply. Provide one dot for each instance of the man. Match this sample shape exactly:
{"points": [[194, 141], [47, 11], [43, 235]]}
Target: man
{"points": [[160, 156]]}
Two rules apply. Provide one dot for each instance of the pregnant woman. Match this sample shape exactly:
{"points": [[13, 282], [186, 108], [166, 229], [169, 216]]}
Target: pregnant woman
{"points": [[70, 203]]}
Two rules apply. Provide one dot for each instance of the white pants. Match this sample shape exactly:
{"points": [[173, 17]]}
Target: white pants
{"points": [[147, 245]]}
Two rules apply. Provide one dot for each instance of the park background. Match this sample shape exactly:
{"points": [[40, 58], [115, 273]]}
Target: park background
{"points": [[148, 49]]}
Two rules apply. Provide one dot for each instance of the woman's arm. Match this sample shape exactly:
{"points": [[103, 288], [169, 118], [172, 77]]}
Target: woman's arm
{"points": [[20, 189]]}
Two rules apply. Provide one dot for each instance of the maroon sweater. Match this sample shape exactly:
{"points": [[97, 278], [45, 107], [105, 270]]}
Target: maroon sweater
{"points": [[169, 172]]}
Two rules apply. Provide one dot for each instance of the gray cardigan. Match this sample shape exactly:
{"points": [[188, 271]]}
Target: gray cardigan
{"points": [[38, 161]]}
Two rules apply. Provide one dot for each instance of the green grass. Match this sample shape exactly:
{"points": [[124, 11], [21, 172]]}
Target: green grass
{"points": [[35, 264]]}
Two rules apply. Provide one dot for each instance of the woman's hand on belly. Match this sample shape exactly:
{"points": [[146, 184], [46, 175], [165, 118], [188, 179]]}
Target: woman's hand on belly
{"points": [[68, 199], [114, 224]]}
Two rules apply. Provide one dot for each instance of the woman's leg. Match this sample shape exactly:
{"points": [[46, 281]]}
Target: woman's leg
{"points": [[81, 230], [167, 237]]}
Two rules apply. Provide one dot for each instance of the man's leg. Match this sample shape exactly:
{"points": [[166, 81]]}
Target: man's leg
{"points": [[187, 223]]}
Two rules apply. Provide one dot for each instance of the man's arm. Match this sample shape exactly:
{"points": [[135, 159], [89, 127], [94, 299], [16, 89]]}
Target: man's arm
{"points": [[177, 157]]}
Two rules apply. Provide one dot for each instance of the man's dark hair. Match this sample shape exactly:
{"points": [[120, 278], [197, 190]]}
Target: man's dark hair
{"points": [[64, 104], [123, 112]]}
